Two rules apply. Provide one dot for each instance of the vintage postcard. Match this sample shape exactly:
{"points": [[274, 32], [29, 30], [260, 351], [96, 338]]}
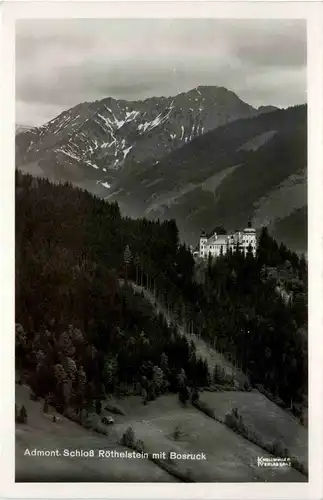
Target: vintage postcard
{"points": [[165, 182]]}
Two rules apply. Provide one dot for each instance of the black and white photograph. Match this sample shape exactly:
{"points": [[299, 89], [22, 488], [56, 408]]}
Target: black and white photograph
{"points": [[161, 250]]}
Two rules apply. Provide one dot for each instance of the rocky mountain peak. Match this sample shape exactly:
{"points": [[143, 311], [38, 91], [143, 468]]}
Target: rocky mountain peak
{"points": [[109, 134]]}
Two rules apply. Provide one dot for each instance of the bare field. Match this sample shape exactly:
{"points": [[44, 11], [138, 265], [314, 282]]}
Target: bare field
{"points": [[230, 457], [264, 417], [42, 434]]}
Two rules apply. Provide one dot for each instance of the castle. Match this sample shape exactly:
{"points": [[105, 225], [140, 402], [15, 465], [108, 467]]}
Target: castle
{"points": [[220, 244]]}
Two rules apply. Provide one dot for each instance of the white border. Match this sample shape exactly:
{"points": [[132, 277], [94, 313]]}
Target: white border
{"points": [[147, 9]]}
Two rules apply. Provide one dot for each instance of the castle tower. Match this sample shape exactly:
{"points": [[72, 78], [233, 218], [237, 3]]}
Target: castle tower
{"points": [[203, 244], [249, 238]]}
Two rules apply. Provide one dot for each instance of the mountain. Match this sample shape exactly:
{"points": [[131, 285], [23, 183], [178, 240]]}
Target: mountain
{"points": [[204, 158], [106, 135]]}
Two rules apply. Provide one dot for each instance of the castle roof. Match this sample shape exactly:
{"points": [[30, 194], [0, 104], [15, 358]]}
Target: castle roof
{"points": [[220, 239]]}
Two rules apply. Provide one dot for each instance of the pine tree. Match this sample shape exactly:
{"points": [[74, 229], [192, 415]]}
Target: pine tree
{"points": [[195, 396], [137, 265], [128, 438], [23, 415], [127, 259], [98, 407]]}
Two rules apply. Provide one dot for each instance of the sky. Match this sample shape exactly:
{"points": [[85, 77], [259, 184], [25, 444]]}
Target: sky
{"points": [[61, 63]]}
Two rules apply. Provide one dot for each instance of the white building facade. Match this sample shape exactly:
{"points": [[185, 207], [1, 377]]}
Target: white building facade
{"points": [[220, 244]]}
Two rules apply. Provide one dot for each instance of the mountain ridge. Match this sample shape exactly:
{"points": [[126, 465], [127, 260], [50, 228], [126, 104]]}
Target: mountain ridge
{"points": [[106, 134]]}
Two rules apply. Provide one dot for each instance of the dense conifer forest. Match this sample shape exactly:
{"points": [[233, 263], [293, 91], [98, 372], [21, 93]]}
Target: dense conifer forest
{"points": [[255, 311], [82, 332]]}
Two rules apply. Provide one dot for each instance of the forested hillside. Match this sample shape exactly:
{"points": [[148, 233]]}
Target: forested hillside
{"points": [[80, 334], [255, 310]]}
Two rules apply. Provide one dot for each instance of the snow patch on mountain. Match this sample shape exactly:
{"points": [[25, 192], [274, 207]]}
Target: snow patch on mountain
{"points": [[126, 151], [117, 123], [106, 184], [88, 162], [71, 155], [132, 115], [106, 121], [143, 126]]}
